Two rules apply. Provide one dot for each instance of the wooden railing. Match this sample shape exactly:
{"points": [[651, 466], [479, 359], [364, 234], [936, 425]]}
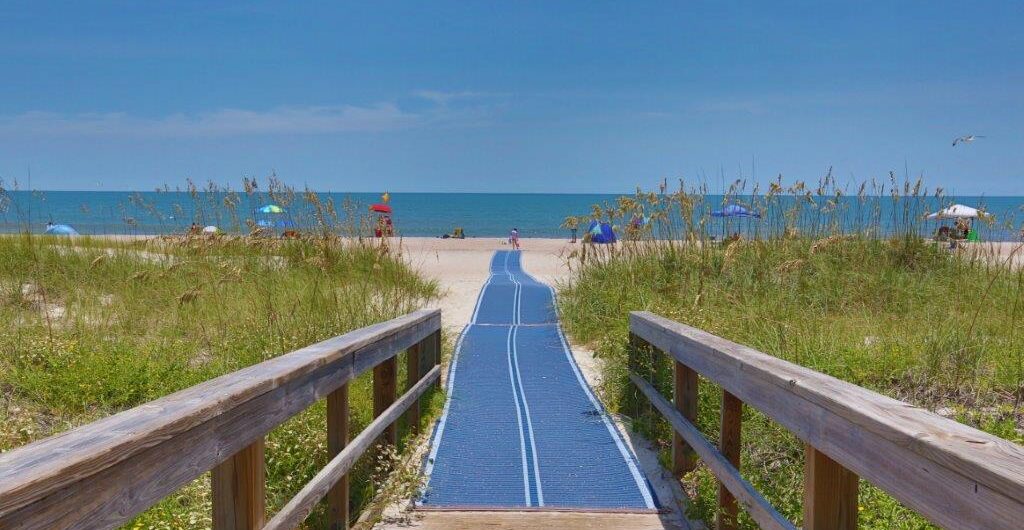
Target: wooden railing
{"points": [[953, 475], [102, 474]]}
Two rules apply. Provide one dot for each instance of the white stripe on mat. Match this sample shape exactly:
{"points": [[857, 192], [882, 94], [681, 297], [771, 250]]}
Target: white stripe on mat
{"points": [[519, 419], [529, 419]]}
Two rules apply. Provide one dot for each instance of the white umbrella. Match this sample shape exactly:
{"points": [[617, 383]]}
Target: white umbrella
{"points": [[211, 229], [957, 211]]}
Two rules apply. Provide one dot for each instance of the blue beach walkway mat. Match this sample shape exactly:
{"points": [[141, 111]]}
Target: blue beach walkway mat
{"points": [[521, 429], [601, 232]]}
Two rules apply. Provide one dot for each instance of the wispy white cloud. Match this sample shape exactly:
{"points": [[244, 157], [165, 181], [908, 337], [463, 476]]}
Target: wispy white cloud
{"points": [[324, 119], [224, 122], [445, 98], [730, 106]]}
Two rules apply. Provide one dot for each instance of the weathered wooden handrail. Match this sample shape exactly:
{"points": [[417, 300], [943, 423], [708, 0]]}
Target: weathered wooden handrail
{"points": [[953, 475], [102, 474]]}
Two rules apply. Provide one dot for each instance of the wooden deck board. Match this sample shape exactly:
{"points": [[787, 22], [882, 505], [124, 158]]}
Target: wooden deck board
{"points": [[450, 520]]}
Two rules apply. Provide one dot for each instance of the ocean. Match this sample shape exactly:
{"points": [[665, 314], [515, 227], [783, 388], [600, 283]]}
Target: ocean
{"points": [[415, 214]]}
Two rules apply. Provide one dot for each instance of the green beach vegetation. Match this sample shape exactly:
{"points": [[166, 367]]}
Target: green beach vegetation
{"points": [[93, 326], [892, 312]]}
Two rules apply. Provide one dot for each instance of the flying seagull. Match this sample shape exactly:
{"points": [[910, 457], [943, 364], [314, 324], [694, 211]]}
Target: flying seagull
{"points": [[966, 139]]}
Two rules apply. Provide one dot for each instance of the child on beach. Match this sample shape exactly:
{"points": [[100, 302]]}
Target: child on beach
{"points": [[513, 238]]}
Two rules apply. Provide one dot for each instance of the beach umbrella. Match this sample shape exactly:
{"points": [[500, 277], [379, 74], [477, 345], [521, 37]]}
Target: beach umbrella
{"points": [[380, 208], [264, 223], [957, 211], [271, 208], [211, 230], [61, 230], [601, 232], [734, 210]]}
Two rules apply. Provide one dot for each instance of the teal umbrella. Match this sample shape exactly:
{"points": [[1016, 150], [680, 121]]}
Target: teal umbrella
{"points": [[271, 208]]}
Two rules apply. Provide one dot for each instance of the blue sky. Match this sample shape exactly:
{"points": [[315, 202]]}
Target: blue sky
{"points": [[510, 96]]}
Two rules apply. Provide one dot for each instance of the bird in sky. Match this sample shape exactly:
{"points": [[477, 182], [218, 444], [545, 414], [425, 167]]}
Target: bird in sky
{"points": [[966, 139]]}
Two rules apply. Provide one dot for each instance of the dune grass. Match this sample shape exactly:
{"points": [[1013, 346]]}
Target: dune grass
{"points": [[89, 327], [899, 315]]}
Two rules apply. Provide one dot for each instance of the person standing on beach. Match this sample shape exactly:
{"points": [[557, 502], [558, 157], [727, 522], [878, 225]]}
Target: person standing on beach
{"points": [[513, 238]]}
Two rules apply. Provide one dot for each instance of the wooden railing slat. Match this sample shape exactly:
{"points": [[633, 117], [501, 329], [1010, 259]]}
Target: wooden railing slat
{"points": [[385, 387], [239, 490], [297, 509], [757, 506], [729, 446], [436, 345], [337, 439], [412, 375], [685, 399], [830, 493]]}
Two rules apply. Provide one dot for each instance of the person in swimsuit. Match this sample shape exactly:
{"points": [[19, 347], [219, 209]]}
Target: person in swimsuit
{"points": [[513, 238]]}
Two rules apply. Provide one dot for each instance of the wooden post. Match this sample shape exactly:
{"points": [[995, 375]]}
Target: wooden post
{"points": [[412, 375], [433, 352], [337, 439], [685, 397], [633, 365], [729, 446], [384, 389], [830, 493], [238, 484]]}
